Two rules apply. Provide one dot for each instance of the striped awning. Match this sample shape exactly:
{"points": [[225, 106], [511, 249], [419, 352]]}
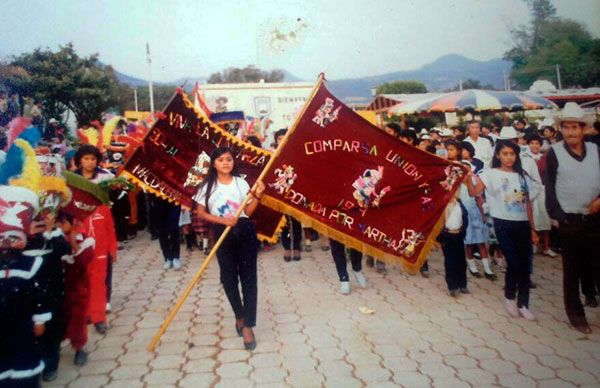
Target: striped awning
{"points": [[473, 100]]}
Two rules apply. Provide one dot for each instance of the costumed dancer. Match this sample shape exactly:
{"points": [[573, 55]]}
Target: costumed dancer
{"points": [[76, 285], [100, 226], [23, 305], [218, 198]]}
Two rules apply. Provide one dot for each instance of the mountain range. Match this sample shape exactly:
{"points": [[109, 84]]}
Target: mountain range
{"points": [[439, 75]]}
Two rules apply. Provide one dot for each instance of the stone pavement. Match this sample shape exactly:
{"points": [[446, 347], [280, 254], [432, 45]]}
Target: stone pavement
{"points": [[309, 334]]}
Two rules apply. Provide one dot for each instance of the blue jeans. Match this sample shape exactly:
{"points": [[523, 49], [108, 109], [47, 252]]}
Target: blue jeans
{"points": [[514, 238]]}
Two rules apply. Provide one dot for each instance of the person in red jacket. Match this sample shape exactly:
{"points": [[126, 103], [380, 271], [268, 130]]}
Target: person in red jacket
{"points": [[100, 226]]}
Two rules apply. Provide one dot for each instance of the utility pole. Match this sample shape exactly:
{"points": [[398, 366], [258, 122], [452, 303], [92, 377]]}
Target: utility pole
{"points": [[505, 76], [558, 77], [460, 85], [135, 98], [150, 78]]}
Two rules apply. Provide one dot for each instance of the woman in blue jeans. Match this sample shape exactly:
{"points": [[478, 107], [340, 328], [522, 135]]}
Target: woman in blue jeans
{"points": [[219, 197], [507, 192]]}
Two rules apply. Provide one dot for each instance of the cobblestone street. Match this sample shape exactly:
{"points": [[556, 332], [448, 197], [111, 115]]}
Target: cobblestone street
{"points": [[309, 334]]}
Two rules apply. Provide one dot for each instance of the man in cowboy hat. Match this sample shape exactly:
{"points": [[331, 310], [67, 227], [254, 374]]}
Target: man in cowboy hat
{"points": [[573, 199]]}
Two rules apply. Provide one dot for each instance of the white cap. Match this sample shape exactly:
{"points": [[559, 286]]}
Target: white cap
{"points": [[446, 132]]}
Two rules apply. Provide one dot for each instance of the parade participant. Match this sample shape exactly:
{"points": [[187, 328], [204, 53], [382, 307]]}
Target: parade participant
{"points": [[167, 215], [23, 305], [219, 197], [468, 154], [453, 247], [506, 190], [76, 285], [338, 251], [483, 147], [100, 226], [408, 136], [573, 199]]}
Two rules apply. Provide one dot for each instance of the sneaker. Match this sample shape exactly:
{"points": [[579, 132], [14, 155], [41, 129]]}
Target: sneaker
{"points": [[465, 290], [525, 313], [511, 307], [108, 308], [81, 358], [176, 264], [345, 287], [454, 293], [168, 264], [360, 278], [101, 327], [550, 253]]}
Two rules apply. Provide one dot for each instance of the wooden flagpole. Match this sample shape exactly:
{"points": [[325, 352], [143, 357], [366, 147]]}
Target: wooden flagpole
{"points": [[198, 275]]}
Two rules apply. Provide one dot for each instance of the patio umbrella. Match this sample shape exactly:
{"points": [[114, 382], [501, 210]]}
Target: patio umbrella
{"points": [[473, 100]]}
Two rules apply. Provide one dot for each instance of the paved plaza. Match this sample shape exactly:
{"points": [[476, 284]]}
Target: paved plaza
{"points": [[310, 335]]}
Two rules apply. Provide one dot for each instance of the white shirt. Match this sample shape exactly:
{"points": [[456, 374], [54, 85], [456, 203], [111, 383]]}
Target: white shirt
{"points": [[453, 216], [225, 199], [483, 150], [506, 194]]}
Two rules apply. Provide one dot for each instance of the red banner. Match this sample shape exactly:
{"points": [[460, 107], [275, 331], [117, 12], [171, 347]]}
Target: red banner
{"points": [[348, 179], [175, 156]]}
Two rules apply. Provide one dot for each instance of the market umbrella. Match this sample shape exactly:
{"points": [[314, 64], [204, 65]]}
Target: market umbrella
{"points": [[473, 100]]}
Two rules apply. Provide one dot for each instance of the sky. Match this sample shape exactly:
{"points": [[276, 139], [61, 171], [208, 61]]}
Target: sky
{"points": [[343, 38]]}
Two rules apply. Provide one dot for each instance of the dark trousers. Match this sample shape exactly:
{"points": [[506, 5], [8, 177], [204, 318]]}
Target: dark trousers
{"points": [[29, 382], [291, 235], [514, 238], [455, 260], [237, 262], [109, 273], [339, 258], [580, 239], [50, 341], [169, 243]]}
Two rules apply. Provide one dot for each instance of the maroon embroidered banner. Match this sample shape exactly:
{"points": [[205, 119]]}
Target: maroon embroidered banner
{"points": [[348, 179], [175, 156]]}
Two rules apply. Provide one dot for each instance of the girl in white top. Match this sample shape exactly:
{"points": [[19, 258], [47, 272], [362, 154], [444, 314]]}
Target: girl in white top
{"points": [[219, 198], [507, 193]]}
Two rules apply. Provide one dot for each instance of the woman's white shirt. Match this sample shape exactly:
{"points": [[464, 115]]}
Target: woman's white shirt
{"points": [[225, 199]]}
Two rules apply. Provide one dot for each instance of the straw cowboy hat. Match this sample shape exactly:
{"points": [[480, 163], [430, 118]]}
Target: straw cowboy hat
{"points": [[508, 133], [423, 132], [572, 112], [546, 122]]}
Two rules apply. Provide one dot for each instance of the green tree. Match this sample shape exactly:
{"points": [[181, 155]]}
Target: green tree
{"points": [[250, 73], [549, 41], [401, 87], [471, 84], [63, 80]]}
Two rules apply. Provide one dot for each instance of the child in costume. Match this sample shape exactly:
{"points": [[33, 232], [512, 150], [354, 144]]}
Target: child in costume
{"points": [[76, 285], [23, 306]]}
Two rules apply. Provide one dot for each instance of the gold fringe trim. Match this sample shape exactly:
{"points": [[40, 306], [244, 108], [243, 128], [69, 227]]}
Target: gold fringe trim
{"points": [[275, 237], [349, 241]]}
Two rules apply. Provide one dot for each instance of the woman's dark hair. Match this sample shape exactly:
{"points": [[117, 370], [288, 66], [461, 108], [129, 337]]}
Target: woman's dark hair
{"points": [[211, 177], [453, 143], [87, 149], [395, 127], [465, 145], [409, 134], [517, 167], [279, 132], [254, 141]]}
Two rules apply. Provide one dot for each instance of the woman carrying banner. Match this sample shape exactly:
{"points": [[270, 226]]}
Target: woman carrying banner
{"points": [[506, 188], [218, 198]]}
